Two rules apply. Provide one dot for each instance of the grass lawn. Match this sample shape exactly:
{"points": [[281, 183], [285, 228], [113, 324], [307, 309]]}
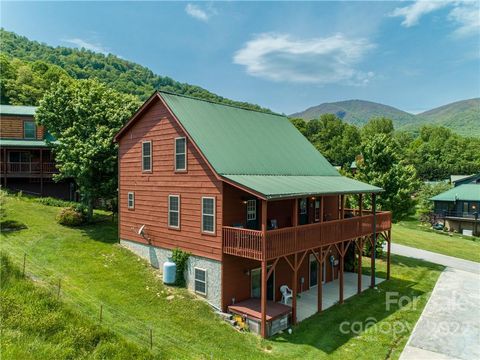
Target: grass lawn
{"points": [[95, 271], [411, 233]]}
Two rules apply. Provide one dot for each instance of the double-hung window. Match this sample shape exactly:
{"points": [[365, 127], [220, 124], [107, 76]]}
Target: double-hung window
{"points": [[29, 130], [317, 210], [180, 154], [147, 156], [131, 200], [174, 211], [251, 210], [208, 215], [200, 281]]}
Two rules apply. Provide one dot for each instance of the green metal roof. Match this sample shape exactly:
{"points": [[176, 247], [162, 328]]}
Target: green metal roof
{"points": [[22, 143], [290, 186], [466, 192], [246, 142], [17, 110]]}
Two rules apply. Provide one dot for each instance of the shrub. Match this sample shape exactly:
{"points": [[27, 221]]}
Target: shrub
{"points": [[49, 201], [70, 217], [180, 259], [367, 251]]}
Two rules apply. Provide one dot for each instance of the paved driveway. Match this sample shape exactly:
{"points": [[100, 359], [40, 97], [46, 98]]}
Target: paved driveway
{"points": [[449, 327]]}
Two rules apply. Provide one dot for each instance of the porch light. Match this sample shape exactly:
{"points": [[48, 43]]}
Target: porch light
{"points": [[244, 202], [313, 197]]}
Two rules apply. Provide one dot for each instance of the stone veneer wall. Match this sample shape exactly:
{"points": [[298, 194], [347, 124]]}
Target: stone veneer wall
{"points": [[157, 256]]}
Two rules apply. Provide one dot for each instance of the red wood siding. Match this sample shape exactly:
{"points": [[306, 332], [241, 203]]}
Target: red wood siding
{"points": [[152, 189], [11, 127]]}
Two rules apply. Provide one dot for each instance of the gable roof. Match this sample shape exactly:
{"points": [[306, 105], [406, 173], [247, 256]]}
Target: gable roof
{"points": [[17, 110], [256, 150], [467, 179], [466, 192]]}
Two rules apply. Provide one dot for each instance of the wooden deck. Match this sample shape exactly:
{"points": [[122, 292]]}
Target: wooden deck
{"points": [[285, 241], [252, 309]]}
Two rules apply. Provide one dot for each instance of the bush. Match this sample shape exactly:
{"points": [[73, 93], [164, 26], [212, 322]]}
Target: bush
{"points": [[367, 251], [49, 201], [180, 259], [70, 216]]}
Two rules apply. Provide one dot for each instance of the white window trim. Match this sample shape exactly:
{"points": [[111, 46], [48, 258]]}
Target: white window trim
{"points": [[195, 281], [178, 211], [143, 156], [131, 193], [254, 212], [317, 218], [184, 153], [214, 214]]}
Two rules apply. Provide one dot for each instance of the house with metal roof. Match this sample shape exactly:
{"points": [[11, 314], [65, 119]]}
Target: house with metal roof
{"points": [[459, 206], [262, 213], [27, 162]]}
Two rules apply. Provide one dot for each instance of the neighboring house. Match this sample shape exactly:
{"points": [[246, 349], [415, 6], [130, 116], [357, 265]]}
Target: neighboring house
{"points": [[27, 163], [248, 196], [459, 206]]}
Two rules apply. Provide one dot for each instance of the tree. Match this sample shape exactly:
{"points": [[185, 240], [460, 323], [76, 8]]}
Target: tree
{"points": [[84, 116], [381, 166], [377, 125], [426, 192]]}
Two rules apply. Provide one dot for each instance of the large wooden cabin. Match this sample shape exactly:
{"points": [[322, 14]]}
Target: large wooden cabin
{"points": [[27, 162], [249, 197]]}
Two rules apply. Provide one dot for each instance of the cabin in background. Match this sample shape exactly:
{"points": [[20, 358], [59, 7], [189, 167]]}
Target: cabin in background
{"points": [[27, 163], [257, 206]]}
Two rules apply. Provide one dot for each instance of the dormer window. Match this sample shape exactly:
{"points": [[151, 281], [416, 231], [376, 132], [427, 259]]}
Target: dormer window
{"points": [[180, 154], [29, 130], [147, 156]]}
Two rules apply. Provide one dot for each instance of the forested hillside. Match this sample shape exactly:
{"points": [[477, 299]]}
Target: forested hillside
{"points": [[27, 71]]}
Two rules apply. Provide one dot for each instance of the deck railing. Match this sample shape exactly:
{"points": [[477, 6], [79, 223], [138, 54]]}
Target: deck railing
{"points": [[285, 241], [28, 168]]}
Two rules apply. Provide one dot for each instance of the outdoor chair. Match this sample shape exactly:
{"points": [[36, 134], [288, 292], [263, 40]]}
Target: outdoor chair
{"points": [[286, 293]]}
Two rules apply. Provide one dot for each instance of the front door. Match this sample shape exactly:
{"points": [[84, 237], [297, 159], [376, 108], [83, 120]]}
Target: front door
{"points": [[313, 266], [303, 211], [252, 219], [256, 275]]}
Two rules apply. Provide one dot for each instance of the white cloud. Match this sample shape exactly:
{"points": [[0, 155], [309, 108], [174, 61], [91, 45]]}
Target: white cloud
{"points": [[466, 14], [279, 57], [198, 13], [87, 45]]}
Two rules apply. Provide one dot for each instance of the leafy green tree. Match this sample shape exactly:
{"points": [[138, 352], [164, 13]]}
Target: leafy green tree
{"points": [[382, 166], [301, 125], [377, 125], [427, 191], [84, 116]]}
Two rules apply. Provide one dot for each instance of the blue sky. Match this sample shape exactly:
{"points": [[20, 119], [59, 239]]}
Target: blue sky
{"points": [[283, 55]]}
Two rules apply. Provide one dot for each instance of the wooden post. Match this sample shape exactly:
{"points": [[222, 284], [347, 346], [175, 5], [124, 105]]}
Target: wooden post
{"points": [[41, 172], [360, 204], [264, 270], [6, 164], [389, 243], [359, 270], [341, 265], [374, 240], [321, 208], [294, 291], [320, 277], [342, 206]]}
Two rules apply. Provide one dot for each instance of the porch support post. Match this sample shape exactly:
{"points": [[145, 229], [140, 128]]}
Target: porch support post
{"points": [[320, 277], [360, 204], [389, 243], [321, 208], [359, 270], [294, 291], [341, 265], [342, 206], [41, 172], [263, 300], [6, 164], [374, 240]]}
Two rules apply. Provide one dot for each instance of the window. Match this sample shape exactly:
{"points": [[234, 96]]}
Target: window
{"points": [[29, 130], [131, 200], [303, 206], [251, 210], [317, 210], [147, 156], [180, 154], [200, 281], [174, 211], [208, 215]]}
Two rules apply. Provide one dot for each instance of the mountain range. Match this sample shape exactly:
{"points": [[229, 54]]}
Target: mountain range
{"points": [[463, 117]]}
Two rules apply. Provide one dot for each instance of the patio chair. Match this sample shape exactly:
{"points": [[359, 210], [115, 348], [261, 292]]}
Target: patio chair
{"points": [[286, 293]]}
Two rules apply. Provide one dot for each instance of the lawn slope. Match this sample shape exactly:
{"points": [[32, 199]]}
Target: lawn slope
{"points": [[95, 271]]}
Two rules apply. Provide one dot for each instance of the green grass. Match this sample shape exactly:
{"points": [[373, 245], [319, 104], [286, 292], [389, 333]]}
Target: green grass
{"points": [[94, 270], [54, 330], [411, 233]]}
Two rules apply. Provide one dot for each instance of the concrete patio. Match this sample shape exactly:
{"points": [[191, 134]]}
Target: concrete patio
{"points": [[307, 301]]}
